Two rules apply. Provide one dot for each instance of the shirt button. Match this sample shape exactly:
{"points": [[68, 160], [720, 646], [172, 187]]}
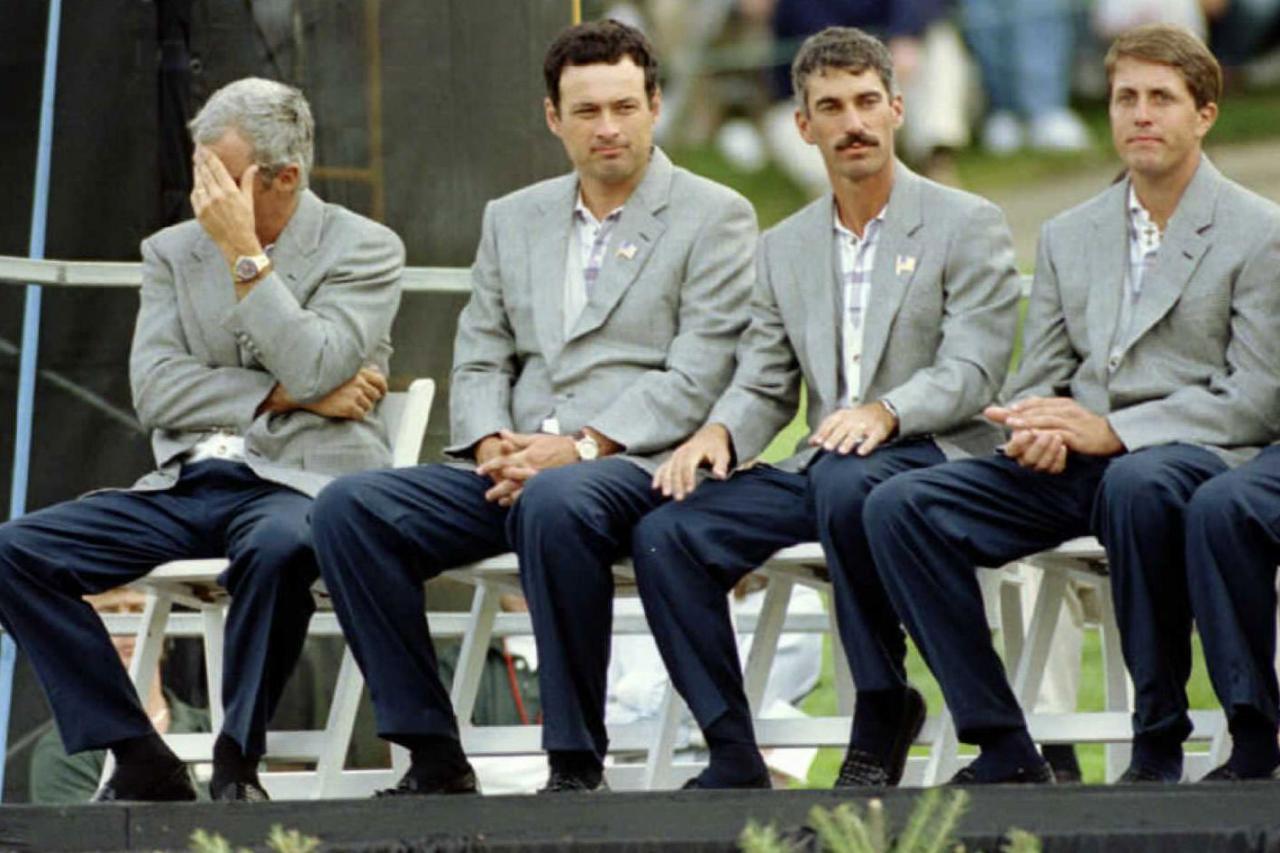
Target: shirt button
{"points": [[1114, 362], [857, 358]]}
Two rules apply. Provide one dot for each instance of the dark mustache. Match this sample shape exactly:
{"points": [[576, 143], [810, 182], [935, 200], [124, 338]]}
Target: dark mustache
{"points": [[856, 139]]}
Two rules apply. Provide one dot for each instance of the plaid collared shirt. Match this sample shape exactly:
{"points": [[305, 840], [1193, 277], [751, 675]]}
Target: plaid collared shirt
{"points": [[856, 258], [1145, 238]]}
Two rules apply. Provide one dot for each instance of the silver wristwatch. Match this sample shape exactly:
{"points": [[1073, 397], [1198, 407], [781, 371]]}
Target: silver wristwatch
{"points": [[588, 448]]}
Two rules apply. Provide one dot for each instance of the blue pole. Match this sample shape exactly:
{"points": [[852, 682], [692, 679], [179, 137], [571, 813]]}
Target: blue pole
{"points": [[30, 344]]}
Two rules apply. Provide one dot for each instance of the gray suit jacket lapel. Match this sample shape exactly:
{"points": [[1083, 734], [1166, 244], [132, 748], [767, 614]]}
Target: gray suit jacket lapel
{"points": [[549, 235], [821, 298], [629, 246], [212, 296], [1185, 242], [294, 252], [897, 258], [1107, 249]]}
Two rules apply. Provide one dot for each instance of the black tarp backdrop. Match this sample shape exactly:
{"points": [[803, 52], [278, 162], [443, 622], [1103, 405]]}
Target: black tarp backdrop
{"points": [[424, 111]]}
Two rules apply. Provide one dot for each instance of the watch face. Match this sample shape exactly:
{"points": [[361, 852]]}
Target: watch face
{"points": [[246, 269]]}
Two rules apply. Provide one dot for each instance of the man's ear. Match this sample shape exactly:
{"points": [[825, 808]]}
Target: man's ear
{"points": [[288, 178], [553, 115]]}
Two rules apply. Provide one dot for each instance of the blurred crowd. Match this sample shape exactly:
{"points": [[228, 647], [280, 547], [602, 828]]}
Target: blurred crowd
{"points": [[997, 73]]}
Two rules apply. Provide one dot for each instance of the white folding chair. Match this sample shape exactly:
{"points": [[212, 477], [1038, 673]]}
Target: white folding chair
{"points": [[193, 584]]}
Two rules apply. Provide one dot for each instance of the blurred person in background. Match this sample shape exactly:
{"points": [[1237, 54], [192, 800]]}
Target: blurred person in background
{"points": [[1025, 50], [61, 778]]}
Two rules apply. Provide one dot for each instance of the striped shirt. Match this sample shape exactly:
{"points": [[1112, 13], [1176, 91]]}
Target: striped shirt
{"points": [[1145, 238], [855, 259]]}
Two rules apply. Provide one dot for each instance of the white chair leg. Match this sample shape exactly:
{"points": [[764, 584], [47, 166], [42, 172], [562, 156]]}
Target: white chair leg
{"points": [[661, 755], [475, 647], [944, 753], [1012, 628], [764, 642], [147, 646], [341, 722], [1044, 621], [214, 618], [846, 693], [1118, 687]]}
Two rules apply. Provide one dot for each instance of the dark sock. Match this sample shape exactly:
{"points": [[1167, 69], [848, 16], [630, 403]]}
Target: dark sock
{"points": [[1254, 751], [581, 764], [434, 758], [141, 762], [1004, 752], [877, 716], [147, 750], [735, 758], [1062, 758], [1158, 754], [230, 764]]}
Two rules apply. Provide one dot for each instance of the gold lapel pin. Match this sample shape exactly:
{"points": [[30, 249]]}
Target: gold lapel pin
{"points": [[627, 250], [904, 264]]}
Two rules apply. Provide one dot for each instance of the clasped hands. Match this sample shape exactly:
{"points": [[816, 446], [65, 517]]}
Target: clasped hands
{"points": [[509, 459], [1044, 429]]}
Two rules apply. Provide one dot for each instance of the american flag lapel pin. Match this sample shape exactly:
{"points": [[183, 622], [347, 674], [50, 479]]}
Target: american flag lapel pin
{"points": [[904, 265], [627, 250]]}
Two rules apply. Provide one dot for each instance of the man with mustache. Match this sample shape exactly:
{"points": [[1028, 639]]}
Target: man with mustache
{"points": [[1152, 341], [601, 326], [894, 299]]}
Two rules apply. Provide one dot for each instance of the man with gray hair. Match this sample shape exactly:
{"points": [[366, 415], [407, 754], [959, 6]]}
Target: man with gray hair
{"points": [[258, 361], [894, 299]]}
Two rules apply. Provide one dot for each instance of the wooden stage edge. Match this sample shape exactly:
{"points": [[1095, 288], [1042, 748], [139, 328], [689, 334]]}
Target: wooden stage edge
{"points": [[1167, 819]]}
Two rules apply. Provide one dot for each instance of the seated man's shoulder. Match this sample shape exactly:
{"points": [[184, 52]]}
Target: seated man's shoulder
{"points": [[815, 218], [341, 223], [689, 189], [184, 236], [956, 204], [1245, 214], [540, 194]]}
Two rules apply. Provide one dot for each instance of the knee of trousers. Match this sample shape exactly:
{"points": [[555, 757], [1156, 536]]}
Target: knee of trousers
{"points": [[344, 504], [276, 551], [1136, 483], [553, 501], [838, 502], [662, 544], [886, 504], [16, 554], [1219, 508]]}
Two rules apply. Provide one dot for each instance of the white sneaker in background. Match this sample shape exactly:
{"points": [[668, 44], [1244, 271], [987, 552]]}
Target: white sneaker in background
{"points": [[1002, 133], [1058, 130], [741, 144]]}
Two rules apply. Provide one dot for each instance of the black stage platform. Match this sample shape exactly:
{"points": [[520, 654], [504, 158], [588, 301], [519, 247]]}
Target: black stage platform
{"points": [[1237, 818]]}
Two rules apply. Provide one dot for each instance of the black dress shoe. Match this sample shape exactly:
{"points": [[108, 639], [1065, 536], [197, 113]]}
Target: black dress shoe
{"points": [[861, 769], [171, 784], [1037, 775], [698, 783], [241, 792], [411, 785], [565, 783], [1138, 774]]}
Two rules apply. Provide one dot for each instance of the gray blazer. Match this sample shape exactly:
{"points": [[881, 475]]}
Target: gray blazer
{"points": [[653, 347], [1202, 362], [201, 361], [939, 330]]}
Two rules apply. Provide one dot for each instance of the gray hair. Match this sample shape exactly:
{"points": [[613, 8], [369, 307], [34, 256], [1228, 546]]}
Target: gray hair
{"points": [[845, 48], [274, 119]]}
